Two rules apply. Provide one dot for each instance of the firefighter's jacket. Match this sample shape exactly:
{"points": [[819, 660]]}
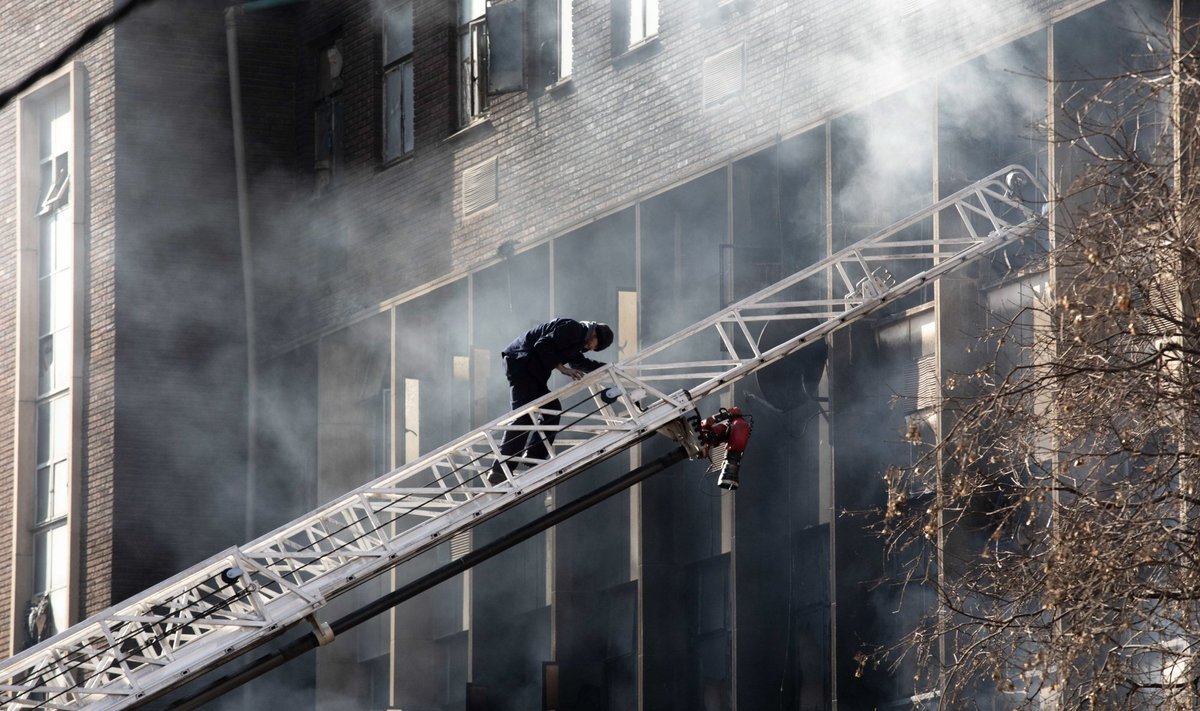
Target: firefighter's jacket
{"points": [[550, 344]]}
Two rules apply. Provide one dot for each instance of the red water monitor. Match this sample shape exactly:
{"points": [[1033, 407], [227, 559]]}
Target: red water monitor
{"points": [[730, 428]]}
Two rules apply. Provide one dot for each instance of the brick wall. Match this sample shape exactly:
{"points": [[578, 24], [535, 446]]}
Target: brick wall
{"points": [[30, 34], [99, 339], [623, 128], [164, 315], [8, 359]]}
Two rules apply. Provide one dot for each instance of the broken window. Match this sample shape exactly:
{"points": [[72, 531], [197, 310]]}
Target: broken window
{"points": [[53, 152], [397, 81], [472, 58], [54, 184], [327, 117]]}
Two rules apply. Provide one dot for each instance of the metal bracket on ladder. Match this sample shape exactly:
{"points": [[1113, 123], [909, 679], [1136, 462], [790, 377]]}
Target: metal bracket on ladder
{"points": [[204, 616], [321, 630]]}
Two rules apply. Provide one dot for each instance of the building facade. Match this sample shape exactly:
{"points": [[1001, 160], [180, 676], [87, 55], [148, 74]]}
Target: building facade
{"points": [[120, 344], [426, 180]]}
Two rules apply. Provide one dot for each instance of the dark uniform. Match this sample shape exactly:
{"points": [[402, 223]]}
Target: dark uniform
{"points": [[529, 361]]}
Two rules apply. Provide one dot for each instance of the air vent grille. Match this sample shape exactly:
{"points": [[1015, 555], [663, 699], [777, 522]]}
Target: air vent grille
{"points": [[921, 387], [1163, 312], [723, 75], [479, 185], [460, 544]]}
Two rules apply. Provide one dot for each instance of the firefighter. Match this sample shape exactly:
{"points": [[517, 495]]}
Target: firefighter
{"points": [[529, 361]]}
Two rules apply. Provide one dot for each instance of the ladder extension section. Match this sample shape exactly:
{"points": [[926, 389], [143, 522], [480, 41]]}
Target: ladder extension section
{"points": [[242, 597]]}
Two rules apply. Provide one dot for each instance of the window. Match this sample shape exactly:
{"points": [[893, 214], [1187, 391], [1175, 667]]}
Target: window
{"points": [[472, 57], [381, 434], [555, 45], [48, 469], [505, 21], [634, 22], [643, 20], [397, 81], [327, 117], [566, 45], [53, 420]]}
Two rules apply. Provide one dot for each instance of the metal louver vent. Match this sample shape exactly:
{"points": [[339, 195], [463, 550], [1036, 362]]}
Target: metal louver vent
{"points": [[1163, 311], [921, 383], [479, 186], [460, 544], [927, 381], [723, 75]]}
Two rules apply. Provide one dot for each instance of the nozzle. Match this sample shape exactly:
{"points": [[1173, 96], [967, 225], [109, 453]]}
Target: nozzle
{"points": [[728, 479]]}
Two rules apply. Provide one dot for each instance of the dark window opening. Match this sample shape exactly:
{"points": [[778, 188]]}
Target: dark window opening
{"points": [[398, 131], [327, 118]]}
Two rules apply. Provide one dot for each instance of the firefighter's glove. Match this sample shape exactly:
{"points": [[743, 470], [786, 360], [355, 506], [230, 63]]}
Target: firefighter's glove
{"points": [[571, 373]]}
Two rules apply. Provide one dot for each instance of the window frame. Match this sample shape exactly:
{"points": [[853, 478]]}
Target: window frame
{"points": [[401, 65], [564, 30], [645, 26], [472, 67], [327, 119], [51, 195]]}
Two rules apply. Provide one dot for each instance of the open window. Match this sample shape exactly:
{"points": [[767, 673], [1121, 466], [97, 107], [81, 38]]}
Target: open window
{"points": [[472, 60]]}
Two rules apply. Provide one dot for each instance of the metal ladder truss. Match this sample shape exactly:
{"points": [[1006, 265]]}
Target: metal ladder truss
{"points": [[246, 595]]}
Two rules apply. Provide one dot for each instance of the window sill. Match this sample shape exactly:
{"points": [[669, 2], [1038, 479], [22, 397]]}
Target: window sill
{"points": [[638, 52], [325, 195], [562, 87], [393, 162], [481, 125], [730, 7]]}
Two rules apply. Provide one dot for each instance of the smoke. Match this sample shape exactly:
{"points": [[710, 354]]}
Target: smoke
{"points": [[322, 261], [179, 354]]}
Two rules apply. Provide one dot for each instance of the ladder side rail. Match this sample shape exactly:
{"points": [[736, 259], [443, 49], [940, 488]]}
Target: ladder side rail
{"points": [[343, 580], [598, 430], [96, 661]]}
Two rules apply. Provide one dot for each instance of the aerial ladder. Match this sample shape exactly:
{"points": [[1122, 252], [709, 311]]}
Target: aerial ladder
{"points": [[247, 595]]}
